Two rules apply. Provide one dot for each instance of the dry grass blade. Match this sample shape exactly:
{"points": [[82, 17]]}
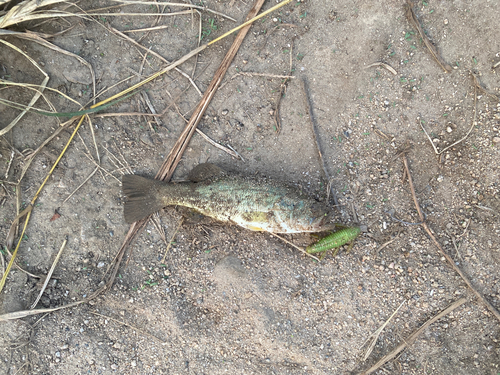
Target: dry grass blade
{"points": [[233, 153], [38, 88], [119, 33], [414, 336], [83, 183], [147, 29], [26, 11], [250, 20], [25, 313], [49, 275], [37, 93], [32, 203], [31, 157], [383, 65], [21, 269], [374, 336], [483, 89], [412, 19], [474, 123], [12, 231], [178, 5], [153, 76], [34, 37]]}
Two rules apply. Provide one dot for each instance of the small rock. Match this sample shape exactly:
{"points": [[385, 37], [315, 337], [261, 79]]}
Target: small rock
{"points": [[449, 129], [224, 112], [440, 178], [496, 140], [446, 21], [100, 264], [133, 363], [114, 366]]}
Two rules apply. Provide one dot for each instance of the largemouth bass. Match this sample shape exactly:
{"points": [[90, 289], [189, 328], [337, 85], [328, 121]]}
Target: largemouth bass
{"points": [[254, 203]]}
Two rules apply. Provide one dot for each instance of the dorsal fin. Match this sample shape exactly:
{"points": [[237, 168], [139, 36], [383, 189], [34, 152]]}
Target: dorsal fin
{"points": [[204, 172]]}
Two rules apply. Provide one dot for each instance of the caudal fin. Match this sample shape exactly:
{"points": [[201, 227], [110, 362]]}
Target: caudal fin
{"points": [[143, 197]]}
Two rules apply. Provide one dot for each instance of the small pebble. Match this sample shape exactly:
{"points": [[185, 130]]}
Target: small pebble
{"points": [[225, 112], [496, 140], [100, 264], [449, 129], [446, 21]]}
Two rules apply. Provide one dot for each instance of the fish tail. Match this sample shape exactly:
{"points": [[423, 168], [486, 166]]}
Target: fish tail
{"points": [[143, 197]]}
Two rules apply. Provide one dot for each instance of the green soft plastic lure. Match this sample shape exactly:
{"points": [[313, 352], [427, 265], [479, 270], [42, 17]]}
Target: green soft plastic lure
{"points": [[335, 240]]}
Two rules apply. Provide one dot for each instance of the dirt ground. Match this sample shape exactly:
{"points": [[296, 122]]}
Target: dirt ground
{"points": [[228, 300]]}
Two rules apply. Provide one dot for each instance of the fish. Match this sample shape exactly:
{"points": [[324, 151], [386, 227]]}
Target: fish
{"points": [[257, 204]]}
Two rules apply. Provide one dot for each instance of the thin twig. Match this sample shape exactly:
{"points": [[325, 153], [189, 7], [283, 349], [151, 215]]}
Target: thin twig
{"points": [[155, 219], [180, 5], [218, 145], [10, 164], [441, 250], [171, 239], [412, 19], [295, 246], [385, 245], [146, 29], [375, 335], [254, 74], [126, 37], [413, 336], [283, 86], [151, 108], [104, 170], [49, 275], [384, 65], [460, 140], [19, 267], [25, 313], [318, 147], [83, 183]]}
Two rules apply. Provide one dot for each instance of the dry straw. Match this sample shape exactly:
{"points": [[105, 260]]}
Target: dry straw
{"points": [[27, 11]]}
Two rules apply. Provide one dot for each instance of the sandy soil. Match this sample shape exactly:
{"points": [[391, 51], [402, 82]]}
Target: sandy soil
{"points": [[227, 300]]}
